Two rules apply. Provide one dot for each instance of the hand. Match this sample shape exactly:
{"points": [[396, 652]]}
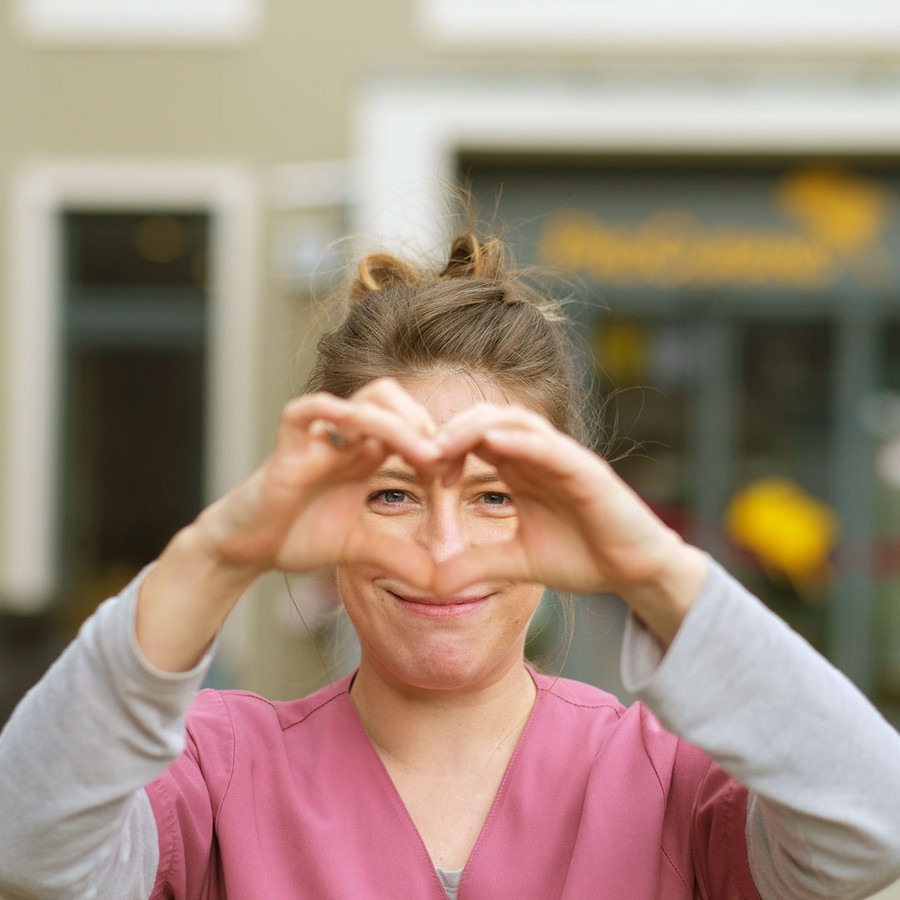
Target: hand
{"points": [[580, 527], [305, 507], [302, 510]]}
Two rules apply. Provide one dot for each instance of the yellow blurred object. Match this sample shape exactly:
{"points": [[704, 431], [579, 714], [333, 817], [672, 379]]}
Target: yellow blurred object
{"points": [[844, 212], [791, 532], [622, 351]]}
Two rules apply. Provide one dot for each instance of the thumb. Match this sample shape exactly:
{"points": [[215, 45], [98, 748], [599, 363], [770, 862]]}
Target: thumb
{"points": [[397, 556], [504, 561]]}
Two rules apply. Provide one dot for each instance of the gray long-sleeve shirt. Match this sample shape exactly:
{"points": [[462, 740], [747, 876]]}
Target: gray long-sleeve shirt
{"points": [[822, 765]]}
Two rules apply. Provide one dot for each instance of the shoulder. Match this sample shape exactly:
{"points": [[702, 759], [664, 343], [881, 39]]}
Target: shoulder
{"points": [[218, 711], [576, 694], [580, 715], [593, 718]]}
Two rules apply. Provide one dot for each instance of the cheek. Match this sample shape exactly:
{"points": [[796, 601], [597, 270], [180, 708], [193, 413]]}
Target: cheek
{"points": [[354, 584], [406, 524], [524, 604], [485, 529]]}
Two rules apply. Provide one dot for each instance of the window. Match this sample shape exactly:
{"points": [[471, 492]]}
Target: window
{"points": [[658, 25], [133, 396], [138, 21]]}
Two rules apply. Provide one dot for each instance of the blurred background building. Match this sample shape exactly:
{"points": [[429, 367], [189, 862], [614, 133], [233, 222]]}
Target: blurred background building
{"points": [[720, 183]]}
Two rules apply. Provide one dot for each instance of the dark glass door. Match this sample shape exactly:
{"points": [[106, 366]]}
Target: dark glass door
{"points": [[134, 362]]}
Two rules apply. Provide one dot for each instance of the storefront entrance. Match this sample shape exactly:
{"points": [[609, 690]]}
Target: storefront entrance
{"points": [[745, 323]]}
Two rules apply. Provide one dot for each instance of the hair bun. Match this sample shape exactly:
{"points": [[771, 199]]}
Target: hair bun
{"points": [[471, 257], [380, 272]]}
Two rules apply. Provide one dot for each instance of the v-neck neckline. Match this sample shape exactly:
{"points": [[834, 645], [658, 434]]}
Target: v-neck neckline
{"points": [[399, 802]]}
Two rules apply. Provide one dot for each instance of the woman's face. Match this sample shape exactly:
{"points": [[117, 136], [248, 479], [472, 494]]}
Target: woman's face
{"points": [[409, 637]]}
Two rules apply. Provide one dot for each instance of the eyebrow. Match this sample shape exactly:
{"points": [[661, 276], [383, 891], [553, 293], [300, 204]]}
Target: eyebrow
{"points": [[397, 475], [408, 477], [490, 477]]}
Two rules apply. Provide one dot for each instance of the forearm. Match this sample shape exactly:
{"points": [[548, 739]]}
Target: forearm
{"points": [[73, 759], [824, 765], [185, 599], [663, 596]]}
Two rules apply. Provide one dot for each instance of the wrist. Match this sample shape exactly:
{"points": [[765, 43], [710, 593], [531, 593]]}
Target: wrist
{"points": [[184, 600], [663, 599], [213, 547], [205, 563]]}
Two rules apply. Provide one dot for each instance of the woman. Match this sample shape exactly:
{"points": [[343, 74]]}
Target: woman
{"points": [[435, 466]]}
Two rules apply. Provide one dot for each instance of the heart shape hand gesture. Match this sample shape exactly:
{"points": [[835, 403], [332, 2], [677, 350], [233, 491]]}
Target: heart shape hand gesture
{"points": [[579, 527]]}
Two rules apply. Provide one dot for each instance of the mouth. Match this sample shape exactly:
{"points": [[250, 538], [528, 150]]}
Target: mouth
{"points": [[443, 608]]}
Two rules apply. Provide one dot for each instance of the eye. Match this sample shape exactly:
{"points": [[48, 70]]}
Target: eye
{"points": [[391, 502], [389, 497], [496, 498]]}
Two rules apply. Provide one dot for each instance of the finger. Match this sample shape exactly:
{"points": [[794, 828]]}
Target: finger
{"points": [[356, 422], [395, 418], [322, 428], [393, 429], [503, 561], [555, 454], [390, 394], [400, 557], [465, 431], [298, 414], [525, 459], [360, 459]]}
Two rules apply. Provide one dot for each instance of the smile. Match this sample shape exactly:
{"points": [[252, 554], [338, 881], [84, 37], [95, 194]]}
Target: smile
{"points": [[431, 608]]}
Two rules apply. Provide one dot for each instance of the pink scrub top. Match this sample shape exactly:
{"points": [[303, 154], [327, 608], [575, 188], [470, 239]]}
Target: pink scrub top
{"points": [[287, 800]]}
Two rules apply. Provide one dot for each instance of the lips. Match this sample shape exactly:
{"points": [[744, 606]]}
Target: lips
{"points": [[440, 607], [434, 601]]}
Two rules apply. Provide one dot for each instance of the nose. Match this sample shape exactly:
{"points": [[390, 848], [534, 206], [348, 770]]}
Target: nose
{"points": [[443, 534]]}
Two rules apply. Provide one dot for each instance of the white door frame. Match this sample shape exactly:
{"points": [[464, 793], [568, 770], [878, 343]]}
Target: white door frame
{"points": [[408, 134], [40, 192]]}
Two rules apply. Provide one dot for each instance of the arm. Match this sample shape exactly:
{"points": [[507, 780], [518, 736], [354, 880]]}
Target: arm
{"points": [[302, 510], [108, 717], [734, 680], [74, 756], [823, 766]]}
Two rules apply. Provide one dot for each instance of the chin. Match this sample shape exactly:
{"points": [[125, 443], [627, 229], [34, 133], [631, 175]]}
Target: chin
{"points": [[444, 668]]}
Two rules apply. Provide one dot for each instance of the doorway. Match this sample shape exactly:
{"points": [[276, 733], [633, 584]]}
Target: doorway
{"points": [[134, 394]]}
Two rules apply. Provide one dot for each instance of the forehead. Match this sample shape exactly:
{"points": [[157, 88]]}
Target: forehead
{"points": [[444, 396]]}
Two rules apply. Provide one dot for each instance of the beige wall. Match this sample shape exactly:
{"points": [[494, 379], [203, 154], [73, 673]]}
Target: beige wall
{"points": [[286, 96]]}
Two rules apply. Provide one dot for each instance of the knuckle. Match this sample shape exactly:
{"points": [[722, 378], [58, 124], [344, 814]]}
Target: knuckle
{"points": [[385, 386], [293, 408]]}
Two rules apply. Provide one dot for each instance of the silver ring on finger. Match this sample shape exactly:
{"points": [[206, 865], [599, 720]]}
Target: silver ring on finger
{"points": [[335, 437]]}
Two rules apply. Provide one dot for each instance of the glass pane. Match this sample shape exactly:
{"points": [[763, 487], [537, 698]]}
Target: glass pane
{"points": [[643, 377], [882, 419], [132, 464], [135, 250], [644, 390], [782, 530]]}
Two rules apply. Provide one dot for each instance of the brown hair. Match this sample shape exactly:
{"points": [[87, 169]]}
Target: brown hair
{"points": [[476, 314]]}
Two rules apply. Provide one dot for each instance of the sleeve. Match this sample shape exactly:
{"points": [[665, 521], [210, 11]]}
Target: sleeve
{"points": [[74, 757], [821, 764], [183, 801]]}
